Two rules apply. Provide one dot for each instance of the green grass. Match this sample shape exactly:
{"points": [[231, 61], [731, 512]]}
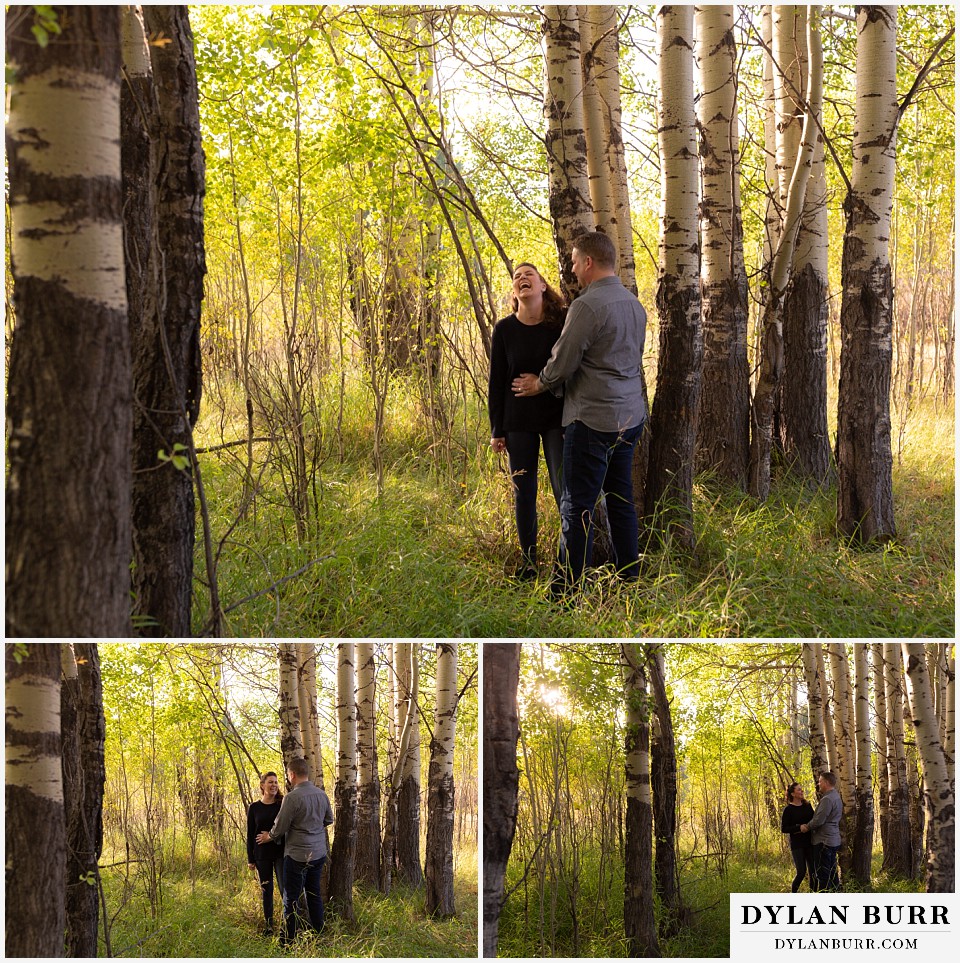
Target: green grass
{"points": [[705, 893], [432, 555], [219, 915]]}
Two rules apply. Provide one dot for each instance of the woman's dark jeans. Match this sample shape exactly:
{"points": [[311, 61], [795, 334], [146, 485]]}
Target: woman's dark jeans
{"points": [[266, 870], [523, 449], [803, 861]]}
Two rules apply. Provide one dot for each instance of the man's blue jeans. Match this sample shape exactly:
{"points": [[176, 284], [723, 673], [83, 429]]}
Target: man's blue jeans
{"points": [[298, 877], [596, 462], [828, 876]]}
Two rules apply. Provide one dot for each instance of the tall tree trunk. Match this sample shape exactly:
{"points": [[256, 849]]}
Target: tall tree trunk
{"points": [[723, 423], [83, 732], [881, 740], [68, 387], [938, 790], [368, 779], [846, 747], [863, 824], [569, 188], [803, 398], [306, 653], [345, 825], [668, 499], [771, 348], [897, 854], [816, 687], [501, 674], [408, 799], [291, 739], [604, 51], [864, 456], [440, 790], [638, 920], [34, 815], [165, 256], [663, 775]]}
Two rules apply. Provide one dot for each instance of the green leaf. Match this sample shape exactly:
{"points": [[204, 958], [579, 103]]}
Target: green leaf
{"points": [[43, 38]]}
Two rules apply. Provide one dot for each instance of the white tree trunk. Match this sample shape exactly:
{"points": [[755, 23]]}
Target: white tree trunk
{"points": [[938, 789], [440, 796], [291, 738], [343, 855], [864, 819], [897, 856], [569, 187], [864, 456], [307, 700], [368, 780]]}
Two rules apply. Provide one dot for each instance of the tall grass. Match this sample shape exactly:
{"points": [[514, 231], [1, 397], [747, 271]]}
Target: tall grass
{"points": [[218, 913], [705, 927], [433, 555]]}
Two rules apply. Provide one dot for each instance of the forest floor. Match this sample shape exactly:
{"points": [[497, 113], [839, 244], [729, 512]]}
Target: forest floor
{"points": [[217, 914], [432, 555], [705, 884]]}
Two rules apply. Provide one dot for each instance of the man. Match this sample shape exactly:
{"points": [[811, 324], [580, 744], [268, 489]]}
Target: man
{"points": [[304, 814], [825, 829], [597, 361]]}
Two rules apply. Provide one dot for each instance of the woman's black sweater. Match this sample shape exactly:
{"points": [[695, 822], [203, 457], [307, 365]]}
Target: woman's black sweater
{"points": [[260, 818], [516, 349], [793, 818]]}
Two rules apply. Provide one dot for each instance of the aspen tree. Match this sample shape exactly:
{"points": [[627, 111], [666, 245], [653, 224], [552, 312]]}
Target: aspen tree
{"points": [[34, 814], [815, 692], [897, 855], [938, 789], [501, 673], [165, 254], [881, 740], [863, 822], [343, 855], [668, 499], [950, 712], [638, 920], [291, 739], [830, 742], [604, 51], [68, 381], [663, 777], [771, 341], [368, 779], [407, 667], [864, 456], [846, 749], [569, 186], [803, 398], [723, 423], [307, 701], [83, 731], [440, 791]]}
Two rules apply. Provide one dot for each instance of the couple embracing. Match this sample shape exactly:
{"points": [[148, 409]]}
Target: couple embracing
{"points": [[571, 379]]}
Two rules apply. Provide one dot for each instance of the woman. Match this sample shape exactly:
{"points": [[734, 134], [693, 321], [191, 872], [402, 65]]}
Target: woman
{"points": [[266, 858], [798, 812], [522, 342]]}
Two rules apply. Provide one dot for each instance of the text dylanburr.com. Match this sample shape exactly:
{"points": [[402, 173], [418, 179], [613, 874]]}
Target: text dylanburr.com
{"points": [[766, 924]]}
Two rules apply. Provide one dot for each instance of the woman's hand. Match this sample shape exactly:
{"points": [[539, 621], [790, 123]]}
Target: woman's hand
{"points": [[498, 444], [527, 385]]}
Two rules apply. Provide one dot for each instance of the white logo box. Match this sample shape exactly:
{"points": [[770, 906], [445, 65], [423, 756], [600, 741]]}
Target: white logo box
{"points": [[768, 926]]}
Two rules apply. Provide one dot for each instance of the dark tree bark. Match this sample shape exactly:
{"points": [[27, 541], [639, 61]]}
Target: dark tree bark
{"points": [[34, 822], [164, 190], [639, 923], [407, 841], [68, 388], [501, 729], [663, 776], [83, 729], [803, 423]]}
